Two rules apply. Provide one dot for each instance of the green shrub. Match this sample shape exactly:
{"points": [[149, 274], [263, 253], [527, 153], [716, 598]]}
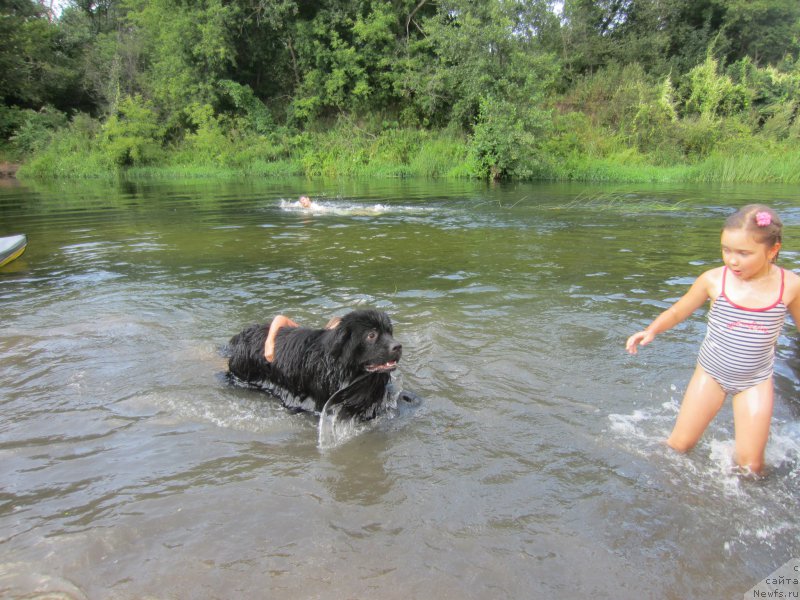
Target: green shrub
{"points": [[794, 130], [501, 146], [132, 136], [36, 129], [697, 136], [441, 155], [208, 144], [72, 152], [779, 125], [653, 125], [11, 117], [710, 94], [255, 114]]}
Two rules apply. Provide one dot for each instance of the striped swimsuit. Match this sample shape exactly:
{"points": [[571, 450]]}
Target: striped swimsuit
{"points": [[739, 348]]}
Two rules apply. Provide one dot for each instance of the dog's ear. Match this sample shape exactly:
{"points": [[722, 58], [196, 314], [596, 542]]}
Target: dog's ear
{"points": [[340, 341]]}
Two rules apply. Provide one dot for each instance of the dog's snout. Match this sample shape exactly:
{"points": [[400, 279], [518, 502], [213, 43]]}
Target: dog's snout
{"points": [[396, 348]]}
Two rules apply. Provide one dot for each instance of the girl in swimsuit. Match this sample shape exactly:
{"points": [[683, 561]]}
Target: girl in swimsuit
{"points": [[750, 296]]}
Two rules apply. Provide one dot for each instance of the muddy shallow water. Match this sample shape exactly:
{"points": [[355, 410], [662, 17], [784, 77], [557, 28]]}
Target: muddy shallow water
{"points": [[535, 466]]}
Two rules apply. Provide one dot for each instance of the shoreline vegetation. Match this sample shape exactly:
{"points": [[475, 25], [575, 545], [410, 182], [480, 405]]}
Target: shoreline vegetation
{"points": [[736, 169], [423, 155], [651, 91]]}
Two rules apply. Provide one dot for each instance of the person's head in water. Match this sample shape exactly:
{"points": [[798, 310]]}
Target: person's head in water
{"points": [[305, 201]]}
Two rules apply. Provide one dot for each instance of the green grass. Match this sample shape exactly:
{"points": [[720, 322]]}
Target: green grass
{"points": [[748, 168], [609, 171], [620, 201], [347, 151]]}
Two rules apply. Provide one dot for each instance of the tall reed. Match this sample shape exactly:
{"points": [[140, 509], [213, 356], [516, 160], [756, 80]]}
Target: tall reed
{"points": [[748, 168]]}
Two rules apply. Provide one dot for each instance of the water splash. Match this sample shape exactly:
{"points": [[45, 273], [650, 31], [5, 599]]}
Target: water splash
{"points": [[21, 580], [333, 432], [348, 208], [758, 510]]}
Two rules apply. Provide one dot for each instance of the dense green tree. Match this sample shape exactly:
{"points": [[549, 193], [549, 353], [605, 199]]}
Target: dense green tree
{"points": [[103, 16], [474, 51], [355, 56], [38, 63], [265, 59], [669, 35], [692, 26], [764, 30], [25, 42], [187, 47]]}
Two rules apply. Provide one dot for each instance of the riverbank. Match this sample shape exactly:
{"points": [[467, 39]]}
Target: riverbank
{"points": [[346, 151], [773, 167]]}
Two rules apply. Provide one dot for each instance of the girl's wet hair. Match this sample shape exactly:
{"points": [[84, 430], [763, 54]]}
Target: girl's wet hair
{"points": [[746, 218]]}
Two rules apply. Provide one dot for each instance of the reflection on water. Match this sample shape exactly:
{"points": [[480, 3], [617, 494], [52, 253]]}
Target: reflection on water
{"points": [[535, 466]]}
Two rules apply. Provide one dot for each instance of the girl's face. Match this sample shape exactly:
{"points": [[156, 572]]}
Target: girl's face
{"points": [[744, 256]]}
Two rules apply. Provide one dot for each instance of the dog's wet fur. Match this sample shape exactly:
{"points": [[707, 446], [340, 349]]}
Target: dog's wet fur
{"points": [[353, 361]]}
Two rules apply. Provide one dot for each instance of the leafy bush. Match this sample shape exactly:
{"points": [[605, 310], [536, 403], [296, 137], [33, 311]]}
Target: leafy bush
{"points": [[654, 123], [36, 129], [610, 96], [255, 114], [699, 137], [783, 123], [772, 90], [11, 117], [133, 136], [501, 145], [710, 94], [72, 152], [208, 143], [794, 129], [442, 154]]}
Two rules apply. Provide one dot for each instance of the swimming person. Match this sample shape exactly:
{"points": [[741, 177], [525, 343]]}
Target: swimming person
{"points": [[750, 296]]}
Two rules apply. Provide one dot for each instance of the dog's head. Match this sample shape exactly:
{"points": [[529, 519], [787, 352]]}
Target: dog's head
{"points": [[363, 339]]}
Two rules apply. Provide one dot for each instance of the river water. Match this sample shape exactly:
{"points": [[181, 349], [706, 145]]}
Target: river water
{"points": [[535, 467]]}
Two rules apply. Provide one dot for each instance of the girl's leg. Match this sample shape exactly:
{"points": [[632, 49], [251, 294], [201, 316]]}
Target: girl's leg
{"points": [[701, 402], [752, 413]]}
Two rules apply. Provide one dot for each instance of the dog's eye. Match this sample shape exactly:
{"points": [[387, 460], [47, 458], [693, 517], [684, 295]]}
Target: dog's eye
{"points": [[372, 336]]}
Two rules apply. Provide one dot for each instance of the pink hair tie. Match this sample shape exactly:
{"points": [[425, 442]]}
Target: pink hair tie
{"points": [[763, 218]]}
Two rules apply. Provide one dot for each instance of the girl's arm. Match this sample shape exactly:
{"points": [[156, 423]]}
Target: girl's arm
{"points": [[269, 346], [792, 296], [697, 295]]}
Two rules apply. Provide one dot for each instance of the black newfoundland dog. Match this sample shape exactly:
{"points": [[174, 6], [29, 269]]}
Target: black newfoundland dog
{"points": [[348, 366]]}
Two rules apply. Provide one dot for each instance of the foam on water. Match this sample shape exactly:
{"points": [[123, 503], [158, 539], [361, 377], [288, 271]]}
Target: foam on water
{"points": [[255, 411], [759, 509], [645, 429], [333, 432], [261, 414], [21, 580], [347, 208]]}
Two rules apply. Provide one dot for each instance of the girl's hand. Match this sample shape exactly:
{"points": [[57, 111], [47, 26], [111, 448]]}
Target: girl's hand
{"points": [[641, 338], [269, 344], [704, 287]]}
